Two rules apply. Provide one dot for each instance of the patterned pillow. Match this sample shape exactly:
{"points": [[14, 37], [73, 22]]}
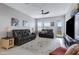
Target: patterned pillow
{"points": [[77, 53], [72, 50]]}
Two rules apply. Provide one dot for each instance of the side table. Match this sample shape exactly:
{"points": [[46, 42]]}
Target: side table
{"points": [[7, 42]]}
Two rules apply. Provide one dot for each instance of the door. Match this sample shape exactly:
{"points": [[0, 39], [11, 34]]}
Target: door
{"points": [[60, 28]]}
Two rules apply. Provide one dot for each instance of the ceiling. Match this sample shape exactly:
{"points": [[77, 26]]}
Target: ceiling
{"points": [[34, 9]]}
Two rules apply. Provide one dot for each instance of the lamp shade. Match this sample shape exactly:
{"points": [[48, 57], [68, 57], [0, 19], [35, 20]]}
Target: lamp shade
{"points": [[7, 29]]}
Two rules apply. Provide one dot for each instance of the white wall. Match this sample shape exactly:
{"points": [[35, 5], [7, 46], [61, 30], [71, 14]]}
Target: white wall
{"points": [[6, 13], [77, 26], [70, 12]]}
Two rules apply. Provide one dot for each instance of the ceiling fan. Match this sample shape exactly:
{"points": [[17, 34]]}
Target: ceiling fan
{"points": [[44, 12]]}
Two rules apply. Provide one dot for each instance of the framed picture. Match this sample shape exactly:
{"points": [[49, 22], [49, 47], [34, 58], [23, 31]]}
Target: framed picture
{"points": [[25, 23], [52, 23], [14, 21]]}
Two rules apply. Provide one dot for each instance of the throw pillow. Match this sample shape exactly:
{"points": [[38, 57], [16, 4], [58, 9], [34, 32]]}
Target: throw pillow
{"points": [[77, 53], [72, 50]]}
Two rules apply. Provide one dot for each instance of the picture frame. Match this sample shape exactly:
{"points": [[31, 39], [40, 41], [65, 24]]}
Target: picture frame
{"points": [[14, 21], [52, 23], [25, 23]]}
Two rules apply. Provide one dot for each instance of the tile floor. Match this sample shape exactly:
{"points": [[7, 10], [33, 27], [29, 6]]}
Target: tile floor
{"points": [[39, 46]]}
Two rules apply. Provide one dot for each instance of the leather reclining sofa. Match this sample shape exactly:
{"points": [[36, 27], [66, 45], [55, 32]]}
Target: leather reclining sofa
{"points": [[47, 33], [22, 36]]}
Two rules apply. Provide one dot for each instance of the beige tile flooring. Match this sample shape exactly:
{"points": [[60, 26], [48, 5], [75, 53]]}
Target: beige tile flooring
{"points": [[39, 46]]}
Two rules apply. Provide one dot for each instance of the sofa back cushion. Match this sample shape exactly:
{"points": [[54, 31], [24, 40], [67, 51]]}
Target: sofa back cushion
{"points": [[20, 33], [49, 31], [67, 38]]}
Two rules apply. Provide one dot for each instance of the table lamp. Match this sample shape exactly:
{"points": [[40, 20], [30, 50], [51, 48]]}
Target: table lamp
{"points": [[7, 29]]}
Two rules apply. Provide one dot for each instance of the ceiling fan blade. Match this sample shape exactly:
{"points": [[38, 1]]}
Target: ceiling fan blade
{"points": [[44, 12]]}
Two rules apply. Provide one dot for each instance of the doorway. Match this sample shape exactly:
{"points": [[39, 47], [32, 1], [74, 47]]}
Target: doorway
{"points": [[60, 28]]}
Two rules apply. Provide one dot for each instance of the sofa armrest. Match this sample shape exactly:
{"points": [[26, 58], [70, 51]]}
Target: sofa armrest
{"points": [[58, 51]]}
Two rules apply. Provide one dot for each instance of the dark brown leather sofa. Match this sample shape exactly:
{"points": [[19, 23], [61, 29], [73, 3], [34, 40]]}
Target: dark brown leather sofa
{"points": [[22, 36], [47, 33]]}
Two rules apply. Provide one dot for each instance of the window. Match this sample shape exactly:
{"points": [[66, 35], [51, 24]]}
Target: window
{"points": [[40, 24], [46, 24], [59, 24]]}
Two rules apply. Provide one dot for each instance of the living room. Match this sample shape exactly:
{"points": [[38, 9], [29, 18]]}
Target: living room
{"points": [[36, 28]]}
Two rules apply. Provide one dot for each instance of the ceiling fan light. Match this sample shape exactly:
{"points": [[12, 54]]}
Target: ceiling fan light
{"points": [[44, 12]]}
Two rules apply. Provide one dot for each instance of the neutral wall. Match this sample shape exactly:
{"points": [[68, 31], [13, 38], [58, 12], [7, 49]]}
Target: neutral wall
{"points": [[70, 12], [6, 13], [77, 26]]}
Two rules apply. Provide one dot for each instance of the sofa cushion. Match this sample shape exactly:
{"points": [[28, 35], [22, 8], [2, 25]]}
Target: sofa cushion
{"points": [[67, 38], [68, 41]]}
